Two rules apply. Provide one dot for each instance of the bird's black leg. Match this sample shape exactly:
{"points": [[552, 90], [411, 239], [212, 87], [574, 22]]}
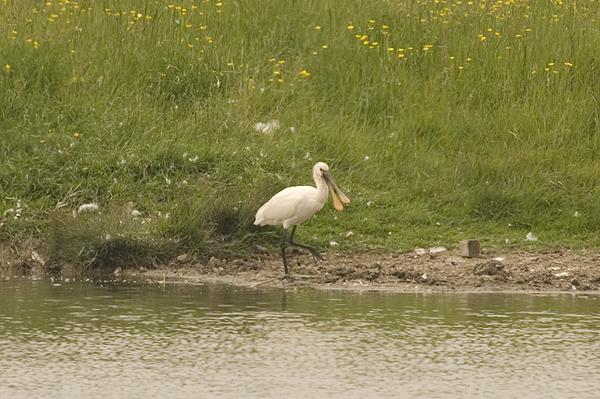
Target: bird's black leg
{"points": [[285, 267], [312, 250]]}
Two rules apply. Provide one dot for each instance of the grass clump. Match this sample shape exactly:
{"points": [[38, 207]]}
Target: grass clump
{"points": [[104, 242], [442, 121]]}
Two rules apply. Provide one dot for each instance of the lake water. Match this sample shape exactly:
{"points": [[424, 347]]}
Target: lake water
{"points": [[93, 339]]}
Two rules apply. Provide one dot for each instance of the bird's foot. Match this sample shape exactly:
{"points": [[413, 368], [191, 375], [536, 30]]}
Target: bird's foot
{"points": [[315, 253]]}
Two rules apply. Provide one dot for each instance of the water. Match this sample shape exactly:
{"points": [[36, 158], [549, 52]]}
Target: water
{"points": [[82, 339]]}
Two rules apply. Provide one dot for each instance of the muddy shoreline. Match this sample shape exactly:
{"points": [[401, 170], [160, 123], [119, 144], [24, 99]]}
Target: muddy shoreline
{"points": [[559, 271]]}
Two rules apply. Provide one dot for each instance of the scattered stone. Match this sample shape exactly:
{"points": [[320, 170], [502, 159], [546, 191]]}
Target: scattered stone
{"points": [[469, 248], [261, 250], [215, 263], [491, 268], [435, 250], [184, 258], [575, 283]]}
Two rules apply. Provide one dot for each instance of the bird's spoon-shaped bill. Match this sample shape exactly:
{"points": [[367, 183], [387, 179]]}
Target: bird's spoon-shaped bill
{"points": [[331, 185]]}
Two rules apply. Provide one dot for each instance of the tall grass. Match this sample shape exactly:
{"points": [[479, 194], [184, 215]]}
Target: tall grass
{"points": [[442, 120]]}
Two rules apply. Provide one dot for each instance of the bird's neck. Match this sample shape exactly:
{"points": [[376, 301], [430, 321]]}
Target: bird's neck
{"points": [[322, 190]]}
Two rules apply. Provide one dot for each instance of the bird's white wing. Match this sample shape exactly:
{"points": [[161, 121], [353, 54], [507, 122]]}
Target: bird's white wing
{"points": [[287, 205]]}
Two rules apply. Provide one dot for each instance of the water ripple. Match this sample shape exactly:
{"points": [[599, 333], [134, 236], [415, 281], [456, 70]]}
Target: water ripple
{"points": [[84, 339]]}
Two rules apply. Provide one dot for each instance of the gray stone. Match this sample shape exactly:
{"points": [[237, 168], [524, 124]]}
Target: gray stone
{"points": [[469, 248]]}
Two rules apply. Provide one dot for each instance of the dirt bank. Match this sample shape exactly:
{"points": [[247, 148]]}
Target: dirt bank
{"points": [[558, 271], [445, 271]]}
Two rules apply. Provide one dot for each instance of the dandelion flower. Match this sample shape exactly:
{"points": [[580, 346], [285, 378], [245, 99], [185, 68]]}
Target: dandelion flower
{"points": [[317, 27], [568, 64], [304, 73], [350, 27], [7, 66], [76, 134]]}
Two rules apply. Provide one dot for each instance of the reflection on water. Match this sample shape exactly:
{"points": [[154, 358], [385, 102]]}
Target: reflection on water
{"points": [[78, 339]]}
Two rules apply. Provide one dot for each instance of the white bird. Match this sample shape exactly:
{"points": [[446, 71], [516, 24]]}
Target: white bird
{"points": [[294, 205]]}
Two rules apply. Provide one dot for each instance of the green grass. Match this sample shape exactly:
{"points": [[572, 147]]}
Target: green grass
{"points": [[441, 120]]}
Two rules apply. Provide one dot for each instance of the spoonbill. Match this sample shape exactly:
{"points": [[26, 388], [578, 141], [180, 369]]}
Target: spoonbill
{"points": [[293, 205]]}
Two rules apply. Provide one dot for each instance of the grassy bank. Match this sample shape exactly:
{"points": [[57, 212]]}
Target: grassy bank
{"points": [[441, 121]]}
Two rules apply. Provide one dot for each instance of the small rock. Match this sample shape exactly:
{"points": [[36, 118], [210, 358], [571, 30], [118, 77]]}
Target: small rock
{"points": [[490, 268], [575, 283], [469, 248], [260, 249], [215, 263], [434, 250], [184, 258]]}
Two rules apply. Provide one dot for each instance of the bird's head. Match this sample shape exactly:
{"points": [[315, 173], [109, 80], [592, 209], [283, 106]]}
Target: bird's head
{"points": [[321, 171]]}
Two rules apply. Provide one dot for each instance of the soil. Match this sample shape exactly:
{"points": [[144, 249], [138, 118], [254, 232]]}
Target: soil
{"points": [[423, 271], [558, 271]]}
